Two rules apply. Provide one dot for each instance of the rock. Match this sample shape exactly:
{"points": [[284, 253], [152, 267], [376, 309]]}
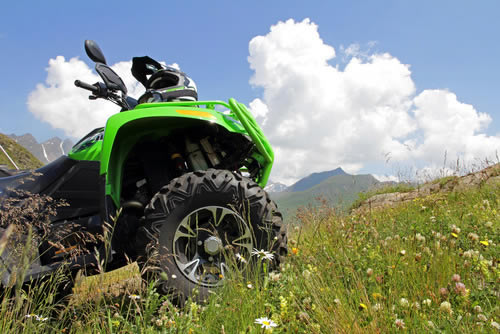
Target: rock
{"points": [[490, 175]]}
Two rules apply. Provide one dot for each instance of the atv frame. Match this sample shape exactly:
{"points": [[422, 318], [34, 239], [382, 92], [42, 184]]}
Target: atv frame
{"points": [[181, 179]]}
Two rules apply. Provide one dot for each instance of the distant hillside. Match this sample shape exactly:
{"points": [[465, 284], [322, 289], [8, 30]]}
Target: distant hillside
{"points": [[339, 190], [314, 179], [47, 151], [21, 156]]}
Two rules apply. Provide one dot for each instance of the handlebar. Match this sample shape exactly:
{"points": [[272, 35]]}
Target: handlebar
{"points": [[87, 86], [99, 90]]}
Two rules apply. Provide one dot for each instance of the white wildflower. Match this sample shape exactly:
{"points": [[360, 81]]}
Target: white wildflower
{"points": [[265, 322], [473, 236], [403, 302], [275, 277], [420, 238], [263, 254], [482, 317], [241, 258], [307, 274], [446, 307], [400, 324], [36, 317]]}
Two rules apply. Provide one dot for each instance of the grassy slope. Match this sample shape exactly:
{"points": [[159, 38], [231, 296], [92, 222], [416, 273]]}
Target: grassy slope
{"points": [[368, 273], [338, 191], [384, 189], [21, 156]]}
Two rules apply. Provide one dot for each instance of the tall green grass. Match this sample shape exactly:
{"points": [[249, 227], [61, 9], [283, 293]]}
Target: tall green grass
{"points": [[429, 266]]}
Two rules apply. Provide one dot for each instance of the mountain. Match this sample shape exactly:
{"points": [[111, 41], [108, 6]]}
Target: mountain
{"points": [[314, 179], [47, 151], [275, 187], [336, 187], [21, 156]]}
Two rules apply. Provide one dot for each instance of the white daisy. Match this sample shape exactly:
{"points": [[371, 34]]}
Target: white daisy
{"points": [[262, 254], [265, 322], [36, 317], [134, 297], [241, 258]]}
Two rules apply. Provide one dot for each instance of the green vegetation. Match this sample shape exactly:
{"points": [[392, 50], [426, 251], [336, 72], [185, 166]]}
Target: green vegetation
{"points": [[387, 189], [21, 156], [339, 191], [426, 266]]}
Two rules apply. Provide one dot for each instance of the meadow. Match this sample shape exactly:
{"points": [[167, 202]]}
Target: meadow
{"points": [[425, 266]]}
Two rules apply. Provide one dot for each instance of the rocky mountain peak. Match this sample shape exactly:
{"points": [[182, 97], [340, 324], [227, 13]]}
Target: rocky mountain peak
{"points": [[46, 151]]}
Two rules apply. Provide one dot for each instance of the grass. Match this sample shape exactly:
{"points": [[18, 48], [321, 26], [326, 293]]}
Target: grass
{"points": [[445, 180], [339, 190], [21, 156], [387, 189], [428, 266]]}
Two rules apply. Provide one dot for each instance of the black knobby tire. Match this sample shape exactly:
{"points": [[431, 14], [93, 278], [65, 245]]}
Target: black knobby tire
{"points": [[182, 197]]}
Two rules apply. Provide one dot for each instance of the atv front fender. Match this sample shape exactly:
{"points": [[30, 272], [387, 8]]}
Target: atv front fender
{"points": [[125, 129]]}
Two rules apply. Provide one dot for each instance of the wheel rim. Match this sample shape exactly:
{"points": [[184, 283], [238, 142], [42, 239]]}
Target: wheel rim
{"points": [[205, 239]]}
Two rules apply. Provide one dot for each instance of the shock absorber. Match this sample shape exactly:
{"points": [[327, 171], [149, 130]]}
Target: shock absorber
{"points": [[177, 159], [195, 156]]}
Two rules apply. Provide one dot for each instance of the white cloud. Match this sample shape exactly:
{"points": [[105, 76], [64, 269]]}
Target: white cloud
{"points": [[451, 126], [386, 178], [64, 106], [319, 117], [258, 108]]}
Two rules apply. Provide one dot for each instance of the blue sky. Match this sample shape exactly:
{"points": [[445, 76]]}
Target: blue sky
{"points": [[449, 45]]}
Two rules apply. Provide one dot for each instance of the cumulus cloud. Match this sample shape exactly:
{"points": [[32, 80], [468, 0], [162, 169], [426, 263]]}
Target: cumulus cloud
{"points": [[386, 178], [319, 116], [64, 106], [258, 109]]}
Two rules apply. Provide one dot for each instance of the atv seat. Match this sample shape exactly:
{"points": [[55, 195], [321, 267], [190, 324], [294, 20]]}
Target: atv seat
{"points": [[37, 181]]}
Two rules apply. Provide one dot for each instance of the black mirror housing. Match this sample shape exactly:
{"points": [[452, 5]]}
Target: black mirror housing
{"points": [[94, 51], [110, 78]]}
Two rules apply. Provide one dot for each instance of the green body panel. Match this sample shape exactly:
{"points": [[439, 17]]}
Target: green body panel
{"points": [[155, 120], [91, 153]]}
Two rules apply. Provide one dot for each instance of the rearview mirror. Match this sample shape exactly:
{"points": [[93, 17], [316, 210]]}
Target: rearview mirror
{"points": [[94, 51], [110, 78]]}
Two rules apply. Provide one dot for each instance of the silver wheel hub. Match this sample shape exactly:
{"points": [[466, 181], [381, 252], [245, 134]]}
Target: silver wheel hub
{"points": [[213, 245], [205, 238]]}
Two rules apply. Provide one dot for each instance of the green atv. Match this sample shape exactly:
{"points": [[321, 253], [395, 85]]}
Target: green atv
{"points": [[180, 181]]}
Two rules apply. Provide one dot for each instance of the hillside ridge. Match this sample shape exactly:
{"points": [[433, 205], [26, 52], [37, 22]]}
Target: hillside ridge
{"points": [[489, 175], [21, 156], [314, 179], [338, 191]]}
